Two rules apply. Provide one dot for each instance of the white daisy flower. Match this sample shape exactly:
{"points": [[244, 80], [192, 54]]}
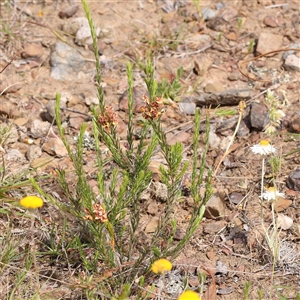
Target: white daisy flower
{"points": [[271, 194], [263, 148]]}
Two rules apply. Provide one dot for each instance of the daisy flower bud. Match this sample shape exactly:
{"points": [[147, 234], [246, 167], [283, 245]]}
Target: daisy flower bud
{"points": [[161, 266], [189, 295], [32, 202]]}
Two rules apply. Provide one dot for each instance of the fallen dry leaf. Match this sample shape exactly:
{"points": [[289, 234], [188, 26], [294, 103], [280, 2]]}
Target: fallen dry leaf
{"points": [[281, 204], [151, 226], [211, 292]]}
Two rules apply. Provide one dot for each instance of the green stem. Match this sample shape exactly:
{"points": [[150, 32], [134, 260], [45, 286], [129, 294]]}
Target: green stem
{"points": [[34, 255]]}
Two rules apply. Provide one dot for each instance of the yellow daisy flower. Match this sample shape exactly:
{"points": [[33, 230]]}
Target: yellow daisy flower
{"points": [[161, 266], [189, 295], [31, 202], [263, 148]]}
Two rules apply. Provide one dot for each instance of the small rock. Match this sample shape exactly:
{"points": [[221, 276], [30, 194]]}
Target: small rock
{"points": [[202, 63], [94, 185], [43, 162], [229, 14], [152, 208], [66, 62], [145, 196], [230, 161], [294, 125], [259, 63], [32, 50], [291, 193], [55, 147], [235, 197], [234, 76], [227, 97], [91, 101], [8, 109], [287, 53], [101, 47], [83, 32], [280, 21], [187, 107], [231, 36], [33, 152], [20, 121], [76, 119], [23, 135], [39, 128], [259, 116], [255, 236], [14, 155], [211, 254], [215, 87], [243, 129], [181, 137], [160, 191], [138, 103], [284, 222], [49, 115], [208, 13], [221, 268], [153, 167], [167, 6], [293, 181], [265, 2], [273, 21], [214, 227], [225, 291], [196, 41], [292, 63], [220, 5], [8, 135], [214, 140], [179, 235], [9, 86], [68, 12], [215, 207], [171, 113], [291, 86], [121, 129], [217, 24], [22, 147], [225, 142], [181, 3], [228, 126], [223, 45], [66, 97], [268, 42], [74, 100], [107, 35], [237, 222]]}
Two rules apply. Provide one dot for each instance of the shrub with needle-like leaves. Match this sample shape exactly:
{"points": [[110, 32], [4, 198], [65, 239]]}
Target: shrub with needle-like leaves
{"points": [[111, 220]]}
